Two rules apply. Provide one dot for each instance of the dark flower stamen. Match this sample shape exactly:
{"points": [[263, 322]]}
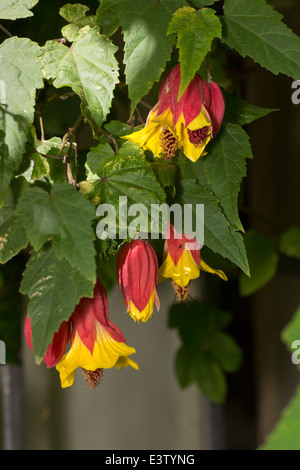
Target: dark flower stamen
{"points": [[181, 292], [93, 378], [168, 143], [198, 136]]}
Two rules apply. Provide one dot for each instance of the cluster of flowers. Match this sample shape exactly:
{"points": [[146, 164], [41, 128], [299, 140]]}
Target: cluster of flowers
{"points": [[95, 342], [188, 123]]}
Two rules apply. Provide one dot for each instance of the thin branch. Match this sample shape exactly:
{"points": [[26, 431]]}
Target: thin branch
{"points": [[54, 97], [5, 31], [55, 157], [139, 115], [111, 139], [42, 129], [71, 137], [147, 105]]}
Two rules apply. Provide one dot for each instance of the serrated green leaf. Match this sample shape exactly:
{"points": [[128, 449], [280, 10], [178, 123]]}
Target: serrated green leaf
{"points": [[195, 31], [263, 260], [118, 128], [289, 243], [207, 351], [255, 29], [75, 14], [52, 148], [133, 176], [13, 9], [73, 11], [54, 288], [107, 16], [224, 167], [145, 25], [183, 367], [97, 158], [239, 111], [202, 368], [210, 377], [165, 173], [285, 435], [20, 76], [65, 216], [13, 237], [89, 67], [126, 181], [225, 350], [219, 236]]}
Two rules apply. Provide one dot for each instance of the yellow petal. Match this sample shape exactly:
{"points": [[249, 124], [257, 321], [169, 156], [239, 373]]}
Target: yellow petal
{"points": [[149, 137], [107, 353], [185, 270], [145, 314], [190, 150], [205, 267]]}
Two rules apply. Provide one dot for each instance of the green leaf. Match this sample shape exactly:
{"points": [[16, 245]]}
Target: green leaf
{"points": [[210, 377], [196, 31], [207, 351], [97, 158], [13, 9], [118, 128], [226, 351], [20, 76], [224, 167], [54, 288], [107, 16], [75, 14], [165, 173], [255, 29], [219, 236], [124, 182], [285, 435], [289, 243], [263, 261], [145, 25], [64, 215], [239, 111], [13, 237], [89, 68]]}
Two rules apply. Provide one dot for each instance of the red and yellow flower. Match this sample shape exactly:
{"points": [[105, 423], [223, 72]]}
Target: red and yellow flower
{"points": [[137, 270], [182, 262], [96, 343], [187, 124]]}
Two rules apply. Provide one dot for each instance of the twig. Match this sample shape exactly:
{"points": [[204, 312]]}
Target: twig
{"points": [[139, 115], [147, 105], [54, 97], [71, 137], [5, 31], [42, 129], [55, 157], [111, 139]]}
